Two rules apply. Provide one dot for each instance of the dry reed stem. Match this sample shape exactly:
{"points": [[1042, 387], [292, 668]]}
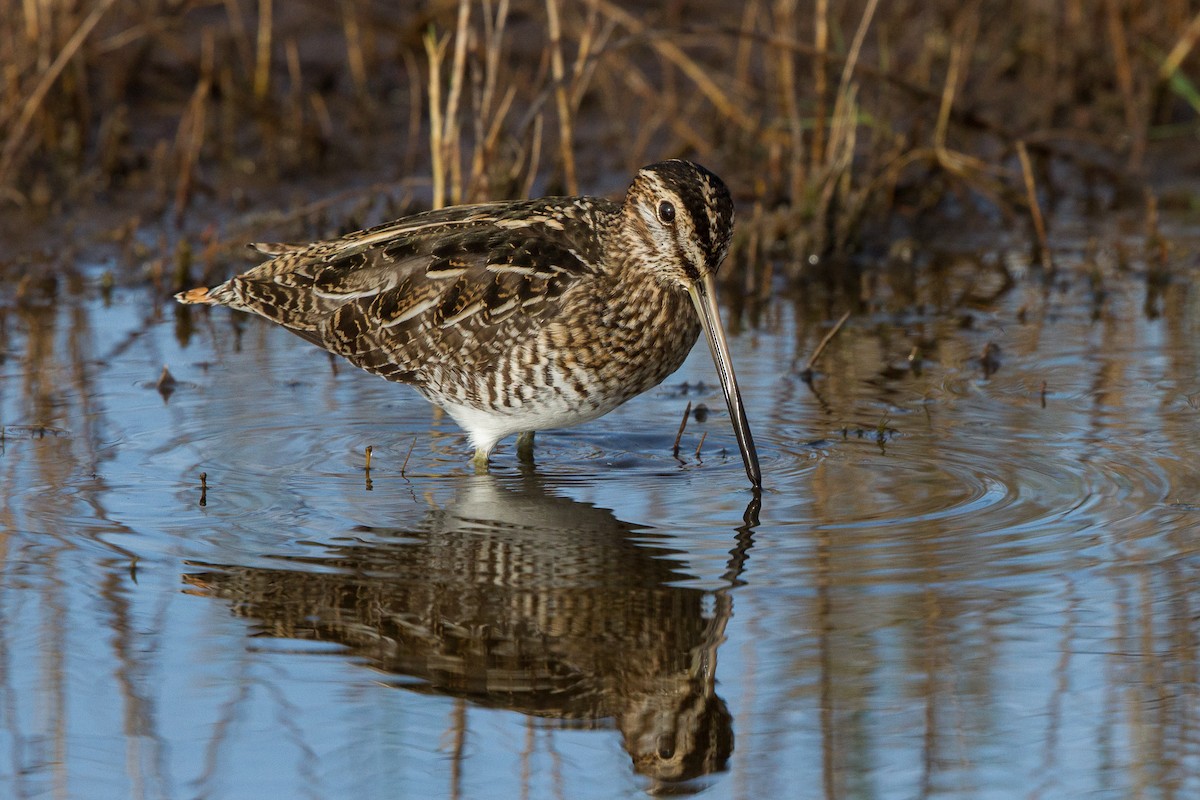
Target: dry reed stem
{"points": [[652, 115], [860, 34], [960, 52], [728, 108], [494, 39], [262, 62], [592, 39], [190, 136], [1124, 73], [479, 188], [291, 52], [1183, 46], [785, 58], [452, 136], [843, 137], [1035, 208], [33, 28], [657, 115], [843, 133], [412, 69], [435, 50], [742, 52], [128, 36], [355, 59], [489, 118], [535, 155], [16, 137], [967, 118], [492, 139], [1151, 230], [562, 103], [291, 113], [321, 114], [941, 129], [820, 80]]}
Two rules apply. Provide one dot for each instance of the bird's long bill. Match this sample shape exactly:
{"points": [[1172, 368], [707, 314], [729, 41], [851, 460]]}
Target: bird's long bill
{"points": [[704, 297]]}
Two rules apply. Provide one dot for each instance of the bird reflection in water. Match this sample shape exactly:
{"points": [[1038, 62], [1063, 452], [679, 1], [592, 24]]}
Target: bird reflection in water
{"points": [[519, 599]]}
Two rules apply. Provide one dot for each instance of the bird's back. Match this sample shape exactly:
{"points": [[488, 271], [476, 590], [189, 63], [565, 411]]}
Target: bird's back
{"points": [[461, 285]]}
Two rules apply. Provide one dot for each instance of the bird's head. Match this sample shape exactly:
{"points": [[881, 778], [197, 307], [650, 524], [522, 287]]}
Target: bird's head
{"points": [[678, 222]]}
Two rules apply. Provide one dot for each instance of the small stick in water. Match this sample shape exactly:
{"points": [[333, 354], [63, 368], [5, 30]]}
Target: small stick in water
{"points": [[404, 466], [203, 488], [807, 374], [703, 436], [687, 412], [369, 451]]}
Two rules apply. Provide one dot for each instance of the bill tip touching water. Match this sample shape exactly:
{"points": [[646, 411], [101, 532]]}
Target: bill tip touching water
{"points": [[519, 316]]}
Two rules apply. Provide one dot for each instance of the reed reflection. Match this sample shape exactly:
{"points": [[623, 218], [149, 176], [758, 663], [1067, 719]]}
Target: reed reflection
{"points": [[519, 599]]}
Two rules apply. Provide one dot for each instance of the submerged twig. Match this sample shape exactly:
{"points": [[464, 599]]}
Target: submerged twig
{"points": [[404, 466], [687, 412], [812, 361]]}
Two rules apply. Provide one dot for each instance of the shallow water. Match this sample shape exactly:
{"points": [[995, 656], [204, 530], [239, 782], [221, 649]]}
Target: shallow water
{"points": [[970, 577]]}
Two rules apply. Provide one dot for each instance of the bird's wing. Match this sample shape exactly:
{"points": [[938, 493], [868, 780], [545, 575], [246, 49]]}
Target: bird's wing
{"points": [[459, 285]]}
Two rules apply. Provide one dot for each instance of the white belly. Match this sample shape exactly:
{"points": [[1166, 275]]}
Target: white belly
{"points": [[486, 428]]}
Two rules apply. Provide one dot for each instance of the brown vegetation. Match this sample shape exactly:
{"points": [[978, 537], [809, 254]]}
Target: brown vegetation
{"points": [[832, 122]]}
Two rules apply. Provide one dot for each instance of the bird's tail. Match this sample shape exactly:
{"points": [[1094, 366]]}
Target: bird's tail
{"points": [[201, 294]]}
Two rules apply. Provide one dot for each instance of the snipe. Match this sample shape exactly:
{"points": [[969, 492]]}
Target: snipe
{"points": [[521, 316]]}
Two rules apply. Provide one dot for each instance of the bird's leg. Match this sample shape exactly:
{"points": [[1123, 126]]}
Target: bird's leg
{"points": [[480, 461], [525, 447]]}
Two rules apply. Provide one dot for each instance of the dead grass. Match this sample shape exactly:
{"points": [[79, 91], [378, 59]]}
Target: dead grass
{"points": [[835, 123]]}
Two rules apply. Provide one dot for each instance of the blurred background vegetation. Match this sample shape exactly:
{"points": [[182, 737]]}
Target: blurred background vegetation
{"points": [[178, 129]]}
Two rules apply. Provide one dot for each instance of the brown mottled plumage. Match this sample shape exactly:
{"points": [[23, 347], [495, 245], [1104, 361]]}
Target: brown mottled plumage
{"points": [[521, 316]]}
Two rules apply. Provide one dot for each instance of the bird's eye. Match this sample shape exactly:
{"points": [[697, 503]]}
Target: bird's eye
{"points": [[666, 211]]}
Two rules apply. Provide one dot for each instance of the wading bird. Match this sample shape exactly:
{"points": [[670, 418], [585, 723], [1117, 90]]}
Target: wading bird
{"points": [[520, 316]]}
